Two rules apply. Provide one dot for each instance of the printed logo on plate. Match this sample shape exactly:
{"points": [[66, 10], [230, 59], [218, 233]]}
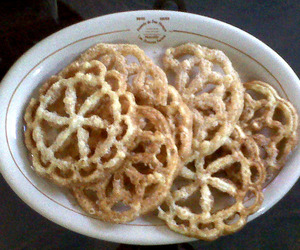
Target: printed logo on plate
{"points": [[152, 31]]}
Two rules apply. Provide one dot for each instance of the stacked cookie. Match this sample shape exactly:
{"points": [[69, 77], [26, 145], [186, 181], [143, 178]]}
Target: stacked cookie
{"points": [[189, 140]]}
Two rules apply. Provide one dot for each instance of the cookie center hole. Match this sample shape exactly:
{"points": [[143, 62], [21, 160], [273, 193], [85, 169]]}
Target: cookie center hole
{"points": [[90, 194], [143, 168], [109, 155], [208, 88], [86, 171], [113, 82], [125, 104], [279, 116], [162, 156], [120, 207], [221, 200], [150, 190], [218, 68], [281, 148], [191, 203], [255, 95]]}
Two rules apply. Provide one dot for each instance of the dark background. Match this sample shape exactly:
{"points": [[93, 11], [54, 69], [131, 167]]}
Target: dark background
{"points": [[24, 23]]}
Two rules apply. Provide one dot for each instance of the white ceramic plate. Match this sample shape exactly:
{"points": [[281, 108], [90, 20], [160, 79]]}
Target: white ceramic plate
{"points": [[251, 58]]}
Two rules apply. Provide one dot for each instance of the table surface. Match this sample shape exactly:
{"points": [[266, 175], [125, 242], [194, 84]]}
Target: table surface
{"points": [[24, 23]]}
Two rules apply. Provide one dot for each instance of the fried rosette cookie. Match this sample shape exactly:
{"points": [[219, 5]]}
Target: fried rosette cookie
{"points": [[179, 117], [145, 178], [146, 77], [271, 121], [79, 125], [213, 195], [211, 88]]}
